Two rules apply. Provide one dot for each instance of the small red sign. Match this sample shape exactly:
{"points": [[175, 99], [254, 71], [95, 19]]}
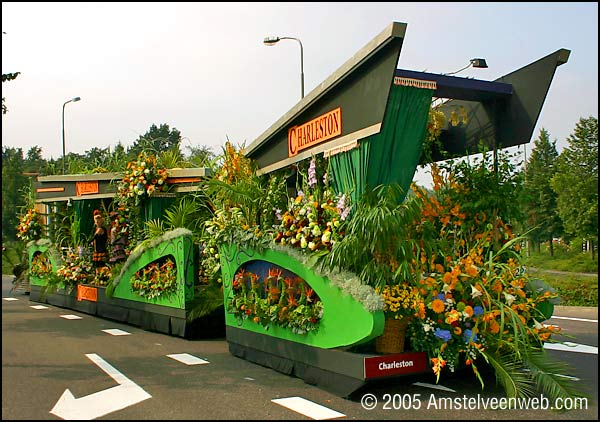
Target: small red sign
{"points": [[396, 364], [87, 293]]}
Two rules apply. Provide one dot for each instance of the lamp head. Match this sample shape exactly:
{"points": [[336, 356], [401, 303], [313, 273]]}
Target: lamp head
{"points": [[271, 40], [76, 99], [479, 63]]}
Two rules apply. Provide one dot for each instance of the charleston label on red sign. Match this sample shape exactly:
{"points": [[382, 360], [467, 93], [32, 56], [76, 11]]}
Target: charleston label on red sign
{"points": [[314, 132], [396, 364]]}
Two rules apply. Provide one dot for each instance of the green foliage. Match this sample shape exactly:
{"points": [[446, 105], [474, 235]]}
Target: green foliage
{"points": [[576, 181], [492, 184], [542, 214], [5, 78], [156, 140], [379, 244]]}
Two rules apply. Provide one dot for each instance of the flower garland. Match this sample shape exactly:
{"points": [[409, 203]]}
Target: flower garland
{"points": [[142, 178], [313, 219], [278, 300], [29, 227]]}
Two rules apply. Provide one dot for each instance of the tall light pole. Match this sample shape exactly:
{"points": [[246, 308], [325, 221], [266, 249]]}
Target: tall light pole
{"points": [[274, 40], [63, 127]]}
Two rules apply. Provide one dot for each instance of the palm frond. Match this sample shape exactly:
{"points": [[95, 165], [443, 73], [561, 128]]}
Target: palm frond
{"points": [[511, 375], [548, 374], [154, 228]]}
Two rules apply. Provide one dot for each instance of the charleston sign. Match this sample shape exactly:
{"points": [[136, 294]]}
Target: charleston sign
{"points": [[322, 128]]}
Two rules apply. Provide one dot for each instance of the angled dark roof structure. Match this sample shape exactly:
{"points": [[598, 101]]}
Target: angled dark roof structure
{"points": [[501, 113]]}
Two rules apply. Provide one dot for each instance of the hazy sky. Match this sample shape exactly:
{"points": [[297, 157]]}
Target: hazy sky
{"points": [[202, 67]]}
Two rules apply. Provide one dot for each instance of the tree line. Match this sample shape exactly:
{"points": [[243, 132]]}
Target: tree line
{"points": [[556, 195]]}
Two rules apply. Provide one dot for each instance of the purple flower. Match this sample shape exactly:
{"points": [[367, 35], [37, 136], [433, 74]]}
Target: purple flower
{"points": [[342, 207], [441, 296], [312, 173], [478, 310], [443, 334]]}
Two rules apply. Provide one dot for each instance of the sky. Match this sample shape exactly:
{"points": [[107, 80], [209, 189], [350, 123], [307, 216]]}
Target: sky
{"points": [[203, 69]]}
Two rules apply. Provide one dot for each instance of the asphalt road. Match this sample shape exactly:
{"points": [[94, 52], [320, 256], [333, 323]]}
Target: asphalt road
{"points": [[44, 354]]}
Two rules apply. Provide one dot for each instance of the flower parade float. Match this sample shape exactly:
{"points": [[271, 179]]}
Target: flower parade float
{"points": [[313, 283], [155, 283]]}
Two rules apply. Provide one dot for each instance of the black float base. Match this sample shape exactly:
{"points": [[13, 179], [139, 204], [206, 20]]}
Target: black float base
{"points": [[147, 316], [337, 371]]}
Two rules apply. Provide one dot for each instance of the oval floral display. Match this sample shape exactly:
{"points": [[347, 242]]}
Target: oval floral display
{"points": [[270, 295], [156, 279]]}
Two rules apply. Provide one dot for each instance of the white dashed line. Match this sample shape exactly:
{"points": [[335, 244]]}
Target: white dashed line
{"points": [[116, 332], [10, 299], [188, 359], [575, 319], [571, 347], [71, 317], [308, 408], [38, 307]]}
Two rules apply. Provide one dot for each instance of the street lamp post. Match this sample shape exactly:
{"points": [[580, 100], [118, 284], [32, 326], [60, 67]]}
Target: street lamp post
{"points": [[274, 40], [63, 128]]}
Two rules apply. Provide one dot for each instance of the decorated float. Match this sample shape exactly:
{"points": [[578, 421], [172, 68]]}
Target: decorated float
{"points": [[155, 284], [327, 263], [363, 276]]}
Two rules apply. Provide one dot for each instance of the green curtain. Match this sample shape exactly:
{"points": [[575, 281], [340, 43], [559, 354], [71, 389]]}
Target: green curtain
{"points": [[395, 151], [155, 206], [392, 155], [349, 170]]}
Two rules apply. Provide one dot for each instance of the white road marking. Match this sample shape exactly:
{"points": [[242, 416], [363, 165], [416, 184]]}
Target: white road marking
{"points": [[434, 386], [188, 359], [71, 317], [571, 347], [98, 404], [116, 332], [308, 408], [10, 299], [575, 319], [38, 307]]}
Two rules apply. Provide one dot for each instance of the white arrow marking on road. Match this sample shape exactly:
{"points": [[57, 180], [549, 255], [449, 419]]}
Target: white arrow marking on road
{"points": [[92, 406]]}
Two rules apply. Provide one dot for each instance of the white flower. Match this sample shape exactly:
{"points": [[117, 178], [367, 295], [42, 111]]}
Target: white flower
{"points": [[509, 298], [475, 292]]}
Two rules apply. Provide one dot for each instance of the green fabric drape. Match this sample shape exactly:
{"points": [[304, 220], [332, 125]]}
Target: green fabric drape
{"points": [[350, 170], [392, 155], [155, 206]]}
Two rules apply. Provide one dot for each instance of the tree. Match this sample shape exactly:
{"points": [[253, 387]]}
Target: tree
{"points": [[13, 181], [576, 182], [5, 78], [542, 213], [156, 140]]}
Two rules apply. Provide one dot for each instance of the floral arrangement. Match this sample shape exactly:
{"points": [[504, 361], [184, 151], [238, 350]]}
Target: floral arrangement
{"points": [[102, 276], [313, 219], [275, 300], [29, 227], [40, 265], [156, 279], [75, 270], [142, 178], [401, 301], [477, 303]]}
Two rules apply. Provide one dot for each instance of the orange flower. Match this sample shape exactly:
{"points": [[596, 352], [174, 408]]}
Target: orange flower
{"points": [[437, 306]]}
